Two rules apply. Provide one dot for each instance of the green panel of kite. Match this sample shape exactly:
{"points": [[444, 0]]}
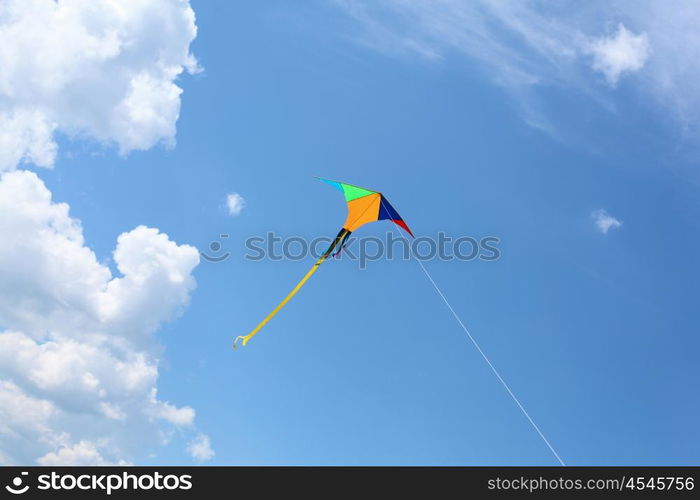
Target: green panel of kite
{"points": [[354, 192]]}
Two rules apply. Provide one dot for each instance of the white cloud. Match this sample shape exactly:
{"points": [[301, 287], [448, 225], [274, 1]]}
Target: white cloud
{"points": [[532, 44], [604, 221], [624, 52], [183, 417], [102, 69], [78, 362], [235, 203], [200, 448], [25, 135], [82, 453]]}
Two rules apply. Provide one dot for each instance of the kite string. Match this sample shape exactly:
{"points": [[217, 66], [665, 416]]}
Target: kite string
{"points": [[483, 354], [493, 368]]}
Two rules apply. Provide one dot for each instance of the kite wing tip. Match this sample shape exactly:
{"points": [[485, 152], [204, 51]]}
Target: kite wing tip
{"points": [[403, 225], [235, 342]]}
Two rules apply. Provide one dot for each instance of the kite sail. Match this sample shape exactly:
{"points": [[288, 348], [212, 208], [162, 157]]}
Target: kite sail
{"points": [[364, 206]]}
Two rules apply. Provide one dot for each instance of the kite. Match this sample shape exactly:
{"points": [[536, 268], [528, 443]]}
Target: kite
{"points": [[364, 206]]}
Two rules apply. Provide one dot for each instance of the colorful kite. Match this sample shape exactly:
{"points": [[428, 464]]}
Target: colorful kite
{"points": [[364, 206]]}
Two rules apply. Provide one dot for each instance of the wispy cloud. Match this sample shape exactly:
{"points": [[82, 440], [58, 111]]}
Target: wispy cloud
{"points": [[235, 203], [604, 221], [527, 45], [516, 43]]}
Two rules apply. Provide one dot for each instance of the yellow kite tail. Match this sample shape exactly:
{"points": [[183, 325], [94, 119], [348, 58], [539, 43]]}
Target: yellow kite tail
{"points": [[291, 294]]}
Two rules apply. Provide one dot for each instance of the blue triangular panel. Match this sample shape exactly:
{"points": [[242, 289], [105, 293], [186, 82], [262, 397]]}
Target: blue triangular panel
{"points": [[386, 211]]}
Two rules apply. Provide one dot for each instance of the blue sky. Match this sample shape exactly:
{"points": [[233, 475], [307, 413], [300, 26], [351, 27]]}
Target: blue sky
{"points": [[596, 333]]}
